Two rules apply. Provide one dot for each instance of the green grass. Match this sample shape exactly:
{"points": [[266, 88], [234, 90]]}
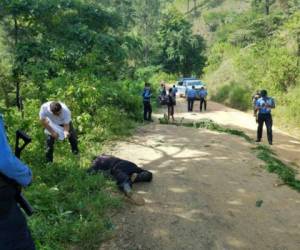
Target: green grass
{"points": [[72, 208], [274, 165], [211, 125]]}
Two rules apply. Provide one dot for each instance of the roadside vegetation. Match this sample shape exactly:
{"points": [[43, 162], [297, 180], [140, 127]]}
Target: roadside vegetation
{"points": [[274, 165], [253, 45], [255, 50]]}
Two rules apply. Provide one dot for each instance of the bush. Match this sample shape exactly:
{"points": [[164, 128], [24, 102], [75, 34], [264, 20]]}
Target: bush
{"points": [[239, 97], [242, 37], [233, 95], [221, 94], [144, 74], [287, 108]]}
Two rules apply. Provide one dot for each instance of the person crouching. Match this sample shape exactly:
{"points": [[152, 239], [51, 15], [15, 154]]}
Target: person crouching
{"points": [[56, 119]]}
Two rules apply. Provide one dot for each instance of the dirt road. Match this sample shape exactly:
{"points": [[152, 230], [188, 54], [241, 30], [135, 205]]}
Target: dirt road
{"points": [[209, 190]]}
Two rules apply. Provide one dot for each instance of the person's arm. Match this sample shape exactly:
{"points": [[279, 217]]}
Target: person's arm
{"points": [[45, 122], [10, 165], [271, 103], [67, 119], [46, 125], [67, 130], [257, 105]]}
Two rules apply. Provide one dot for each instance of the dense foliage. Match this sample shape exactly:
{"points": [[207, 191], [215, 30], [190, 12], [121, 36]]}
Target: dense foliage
{"points": [[255, 46], [180, 50]]}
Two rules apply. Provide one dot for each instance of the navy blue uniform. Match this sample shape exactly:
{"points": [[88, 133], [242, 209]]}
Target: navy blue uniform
{"points": [[147, 103], [264, 106], [202, 95], [191, 95], [120, 169]]}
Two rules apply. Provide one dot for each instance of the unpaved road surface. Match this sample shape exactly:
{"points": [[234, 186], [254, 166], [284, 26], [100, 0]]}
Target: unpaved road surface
{"points": [[209, 190]]}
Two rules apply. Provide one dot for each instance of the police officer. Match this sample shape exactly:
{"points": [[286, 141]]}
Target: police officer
{"points": [[14, 232], [264, 105], [202, 95], [147, 102], [191, 95]]}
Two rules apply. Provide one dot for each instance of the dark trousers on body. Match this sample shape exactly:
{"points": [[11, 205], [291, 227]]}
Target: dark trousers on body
{"points": [[123, 170], [170, 110], [50, 144], [267, 119], [14, 232], [147, 110], [202, 101], [190, 103]]}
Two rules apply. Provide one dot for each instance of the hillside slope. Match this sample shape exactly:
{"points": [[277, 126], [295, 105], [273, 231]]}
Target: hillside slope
{"points": [[251, 47]]}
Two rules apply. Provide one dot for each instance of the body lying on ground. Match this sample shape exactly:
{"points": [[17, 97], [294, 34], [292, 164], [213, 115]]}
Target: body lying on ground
{"points": [[124, 172]]}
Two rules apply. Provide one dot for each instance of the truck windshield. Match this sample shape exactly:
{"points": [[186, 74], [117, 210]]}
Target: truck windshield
{"points": [[195, 83]]}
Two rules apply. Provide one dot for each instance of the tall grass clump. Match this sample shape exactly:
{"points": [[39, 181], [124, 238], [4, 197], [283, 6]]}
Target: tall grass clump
{"points": [[234, 95]]}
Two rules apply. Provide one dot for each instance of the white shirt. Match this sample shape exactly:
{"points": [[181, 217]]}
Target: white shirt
{"points": [[63, 118]]}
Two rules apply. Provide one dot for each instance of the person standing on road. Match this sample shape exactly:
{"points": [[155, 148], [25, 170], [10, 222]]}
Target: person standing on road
{"points": [[202, 95], [14, 232], [264, 105], [147, 102], [174, 92], [191, 95], [56, 119], [171, 103]]}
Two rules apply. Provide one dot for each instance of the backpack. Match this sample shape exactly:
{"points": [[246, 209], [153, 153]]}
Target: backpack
{"points": [[171, 100]]}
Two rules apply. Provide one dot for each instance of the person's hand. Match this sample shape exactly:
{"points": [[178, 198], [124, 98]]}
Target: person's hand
{"points": [[54, 135], [66, 134]]}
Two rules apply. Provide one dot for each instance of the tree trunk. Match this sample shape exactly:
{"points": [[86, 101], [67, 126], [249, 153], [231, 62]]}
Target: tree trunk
{"points": [[267, 7], [16, 73], [188, 5], [5, 93], [298, 52]]}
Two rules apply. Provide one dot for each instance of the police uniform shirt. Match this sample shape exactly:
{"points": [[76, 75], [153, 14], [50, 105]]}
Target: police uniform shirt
{"points": [[10, 165], [191, 93], [203, 93], [264, 105]]}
